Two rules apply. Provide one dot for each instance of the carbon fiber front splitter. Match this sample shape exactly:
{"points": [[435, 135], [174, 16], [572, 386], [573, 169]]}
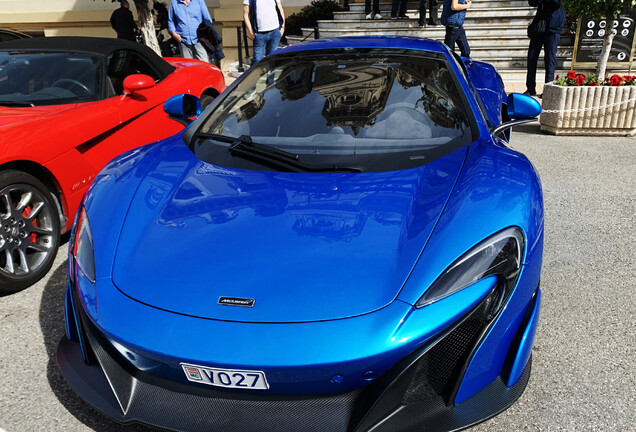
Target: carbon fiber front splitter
{"points": [[112, 390]]}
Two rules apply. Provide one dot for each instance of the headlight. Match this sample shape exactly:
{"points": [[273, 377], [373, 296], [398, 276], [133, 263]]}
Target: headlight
{"points": [[83, 247], [499, 255]]}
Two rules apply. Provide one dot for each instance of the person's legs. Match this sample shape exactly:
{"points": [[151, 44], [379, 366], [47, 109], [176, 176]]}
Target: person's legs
{"points": [[200, 53], [433, 19], [273, 38], [533, 57], [462, 42], [367, 7], [451, 37], [402, 12], [423, 7], [259, 48], [376, 7], [186, 50], [550, 44], [394, 8]]}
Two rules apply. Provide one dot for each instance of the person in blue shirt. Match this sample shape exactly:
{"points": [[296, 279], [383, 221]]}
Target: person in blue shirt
{"points": [[553, 13], [184, 18], [453, 17]]}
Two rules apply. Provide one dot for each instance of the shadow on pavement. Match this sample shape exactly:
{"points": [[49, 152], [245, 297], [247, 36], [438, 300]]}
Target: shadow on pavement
{"points": [[529, 128], [53, 329]]}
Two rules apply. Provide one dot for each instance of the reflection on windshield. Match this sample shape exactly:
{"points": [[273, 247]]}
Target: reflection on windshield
{"points": [[347, 107], [28, 79]]}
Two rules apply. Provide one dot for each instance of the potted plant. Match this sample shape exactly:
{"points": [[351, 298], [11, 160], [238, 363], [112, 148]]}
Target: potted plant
{"points": [[577, 104]]}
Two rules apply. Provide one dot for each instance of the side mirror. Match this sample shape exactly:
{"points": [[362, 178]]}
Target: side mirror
{"points": [[522, 107], [136, 82], [182, 107]]}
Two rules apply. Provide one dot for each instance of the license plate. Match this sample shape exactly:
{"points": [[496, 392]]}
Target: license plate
{"points": [[227, 378]]}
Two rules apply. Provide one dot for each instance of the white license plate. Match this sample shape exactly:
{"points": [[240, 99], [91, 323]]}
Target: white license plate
{"points": [[228, 378]]}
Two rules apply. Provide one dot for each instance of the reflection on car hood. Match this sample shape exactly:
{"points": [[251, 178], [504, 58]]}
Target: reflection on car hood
{"points": [[12, 116], [304, 246]]}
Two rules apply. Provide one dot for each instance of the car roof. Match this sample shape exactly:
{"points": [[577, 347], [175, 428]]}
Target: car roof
{"points": [[392, 42], [102, 46]]}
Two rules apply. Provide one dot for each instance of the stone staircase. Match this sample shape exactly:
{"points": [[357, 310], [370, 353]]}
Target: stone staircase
{"points": [[496, 31]]}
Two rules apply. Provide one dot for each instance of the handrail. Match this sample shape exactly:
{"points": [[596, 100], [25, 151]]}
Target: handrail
{"points": [[242, 42], [315, 32]]}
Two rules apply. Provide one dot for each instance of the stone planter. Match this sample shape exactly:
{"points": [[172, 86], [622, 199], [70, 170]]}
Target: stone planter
{"points": [[611, 119]]}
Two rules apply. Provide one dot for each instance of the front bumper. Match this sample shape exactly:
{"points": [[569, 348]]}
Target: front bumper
{"points": [[418, 391]]}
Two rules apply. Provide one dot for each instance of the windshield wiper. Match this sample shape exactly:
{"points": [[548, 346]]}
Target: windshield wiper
{"points": [[244, 147], [16, 104]]}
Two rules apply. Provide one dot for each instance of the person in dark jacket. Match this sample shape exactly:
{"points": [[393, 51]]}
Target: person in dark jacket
{"points": [[453, 17], [123, 23], [552, 11]]}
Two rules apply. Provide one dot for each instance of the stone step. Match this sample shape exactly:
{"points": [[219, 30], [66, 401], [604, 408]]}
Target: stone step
{"points": [[523, 15], [409, 28], [363, 23], [509, 42], [481, 4], [491, 53]]}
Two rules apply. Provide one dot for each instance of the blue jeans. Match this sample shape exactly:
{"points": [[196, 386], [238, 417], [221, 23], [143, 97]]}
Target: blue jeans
{"points": [[456, 34], [265, 43]]}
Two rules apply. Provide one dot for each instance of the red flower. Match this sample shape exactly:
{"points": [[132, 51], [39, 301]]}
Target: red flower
{"points": [[615, 80], [580, 79], [571, 75], [593, 83]]}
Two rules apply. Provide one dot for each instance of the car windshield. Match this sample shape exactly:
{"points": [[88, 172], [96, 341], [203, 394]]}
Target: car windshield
{"points": [[371, 111], [45, 78]]}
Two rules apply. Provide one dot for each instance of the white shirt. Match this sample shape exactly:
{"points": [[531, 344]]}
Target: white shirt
{"points": [[266, 15]]}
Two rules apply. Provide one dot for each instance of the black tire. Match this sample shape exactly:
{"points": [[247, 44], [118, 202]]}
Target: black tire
{"points": [[206, 99], [29, 231]]}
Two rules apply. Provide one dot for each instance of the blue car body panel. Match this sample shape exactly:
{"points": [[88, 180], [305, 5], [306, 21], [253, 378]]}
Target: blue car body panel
{"points": [[490, 88], [348, 241], [336, 263]]}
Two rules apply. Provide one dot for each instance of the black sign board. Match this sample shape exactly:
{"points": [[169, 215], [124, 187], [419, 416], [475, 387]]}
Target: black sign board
{"points": [[589, 41]]}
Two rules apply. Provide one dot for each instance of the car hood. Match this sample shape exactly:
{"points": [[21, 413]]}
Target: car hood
{"points": [[10, 116], [303, 246]]}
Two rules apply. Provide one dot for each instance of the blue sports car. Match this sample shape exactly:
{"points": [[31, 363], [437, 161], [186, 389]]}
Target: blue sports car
{"points": [[342, 241]]}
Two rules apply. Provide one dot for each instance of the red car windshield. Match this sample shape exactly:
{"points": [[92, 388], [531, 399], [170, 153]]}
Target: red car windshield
{"points": [[40, 78]]}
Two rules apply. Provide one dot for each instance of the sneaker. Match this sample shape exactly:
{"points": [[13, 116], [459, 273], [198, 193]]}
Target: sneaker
{"points": [[530, 93], [394, 17], [402, 17], [421, 25], [377, 16], [369, 16], [434, 23]]}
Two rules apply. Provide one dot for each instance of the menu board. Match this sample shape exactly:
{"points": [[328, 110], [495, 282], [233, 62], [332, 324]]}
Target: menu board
{"points": [[589, 41]]}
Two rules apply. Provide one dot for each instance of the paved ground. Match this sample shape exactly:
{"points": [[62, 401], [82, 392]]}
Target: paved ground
{"points": [[584, 371]]}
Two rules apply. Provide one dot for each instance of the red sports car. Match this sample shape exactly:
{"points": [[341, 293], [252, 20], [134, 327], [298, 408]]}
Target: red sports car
{"points": [[67, 107]]}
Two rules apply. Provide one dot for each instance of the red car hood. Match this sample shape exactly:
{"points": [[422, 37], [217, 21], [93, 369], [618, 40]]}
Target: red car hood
{"points": [[11, 116]]}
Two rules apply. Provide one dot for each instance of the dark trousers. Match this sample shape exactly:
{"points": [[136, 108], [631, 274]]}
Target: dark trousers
{"points": [[549, 41], [426, 4], [367, 7], [398, 8], [456, 34]]}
